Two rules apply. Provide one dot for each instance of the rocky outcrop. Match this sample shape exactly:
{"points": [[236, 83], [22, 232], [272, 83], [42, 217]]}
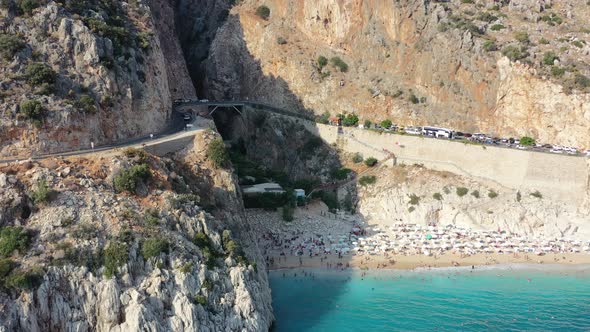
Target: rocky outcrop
{"points": [[131, 72], [413, 194], [186, 285]]}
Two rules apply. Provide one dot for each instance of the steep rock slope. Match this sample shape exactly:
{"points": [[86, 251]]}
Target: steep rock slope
{"points": [[416, 62], [90, 259], [413, 194], [81, 72]]}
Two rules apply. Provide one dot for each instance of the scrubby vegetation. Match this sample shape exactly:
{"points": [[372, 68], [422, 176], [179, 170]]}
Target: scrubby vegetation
{"points": [[38, 74], [341, 174], [322, 61], [350, 120], [263, 12], [115, 255], [366, 180], [129, 179], [41, 193], [339, 63], [414, 199], [217, 153], [537, 194], [371, 161], [13, 238], [357, 158], [437, 196], [492, 194], [33, 110], [462, 191], [475, 193], [10, 45], [86, 103], [153, 247]]}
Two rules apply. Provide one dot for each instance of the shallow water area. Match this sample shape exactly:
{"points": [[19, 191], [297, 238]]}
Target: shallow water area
{"points": [[498, 298]]}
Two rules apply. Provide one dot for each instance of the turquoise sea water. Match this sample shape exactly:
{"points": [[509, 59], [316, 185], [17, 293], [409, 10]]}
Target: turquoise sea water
{"points": [[496, 299]]}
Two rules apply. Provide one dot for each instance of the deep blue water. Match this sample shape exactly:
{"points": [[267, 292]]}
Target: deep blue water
{"points": [[508, 299]]}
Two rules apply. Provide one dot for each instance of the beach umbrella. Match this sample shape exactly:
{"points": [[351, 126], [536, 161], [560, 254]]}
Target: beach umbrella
{"points": [[428, 237]]}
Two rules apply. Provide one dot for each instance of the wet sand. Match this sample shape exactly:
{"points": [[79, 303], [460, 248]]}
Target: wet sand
{"points": [[411, 262]]}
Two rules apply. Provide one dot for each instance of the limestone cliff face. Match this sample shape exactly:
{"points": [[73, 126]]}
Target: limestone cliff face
{"points": [[413, 194], [131, 71], [413, 61], [165, 278]]}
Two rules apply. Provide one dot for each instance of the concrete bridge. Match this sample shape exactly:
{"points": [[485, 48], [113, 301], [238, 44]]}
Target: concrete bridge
{"points": [[193, 106]]}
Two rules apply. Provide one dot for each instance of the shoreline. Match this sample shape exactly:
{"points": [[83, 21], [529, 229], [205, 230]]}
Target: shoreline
{"points": [[425, 263]]}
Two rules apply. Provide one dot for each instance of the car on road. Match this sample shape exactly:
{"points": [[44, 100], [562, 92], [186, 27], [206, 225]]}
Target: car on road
{"points": [[204, 100]]}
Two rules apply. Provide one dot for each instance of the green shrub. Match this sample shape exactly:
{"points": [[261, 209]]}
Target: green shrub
{"points": [[6, 266], [543, 41], [522, 37], [32, 110], [27, 6], [42, 192], [202, 240], [153, 247], [322, 61], [339, 63], [413, 99], [13, 238], [497, 27], [263, 12], [414, 199], [151, 217], [537, 194], [143, 40], [350, 120], [40, 73], [518, 196], [367, 180], [487, 17], [86, 103], [24, 279], [10, 45], [492, 194], [357, 158], [549, 58], [330, 199], [514, 53], [287, 213], [281, 40], [552, 19], [118, 34], [411, 209], [582, 81], [115, 255], [527, 141], [341, 174], [370, 161], [462, 191], [489, 46], [578, 44], [217, 154], [127, 180], [324, 118], [437, 196], [386, 124], [475, 193], [557, 71], [200, 299]]}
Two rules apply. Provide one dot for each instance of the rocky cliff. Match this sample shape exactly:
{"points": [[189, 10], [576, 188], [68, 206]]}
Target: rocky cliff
{"points": [[510, 68], [80, 72], [174, 254], [413, 194]]}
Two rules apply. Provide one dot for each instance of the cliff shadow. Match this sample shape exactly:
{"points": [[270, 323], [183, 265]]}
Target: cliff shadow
{"points": [[268, 146]]}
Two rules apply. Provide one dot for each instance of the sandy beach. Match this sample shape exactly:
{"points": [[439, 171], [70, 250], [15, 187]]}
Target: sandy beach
{"points": [[319, 239], [411, 262]]}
